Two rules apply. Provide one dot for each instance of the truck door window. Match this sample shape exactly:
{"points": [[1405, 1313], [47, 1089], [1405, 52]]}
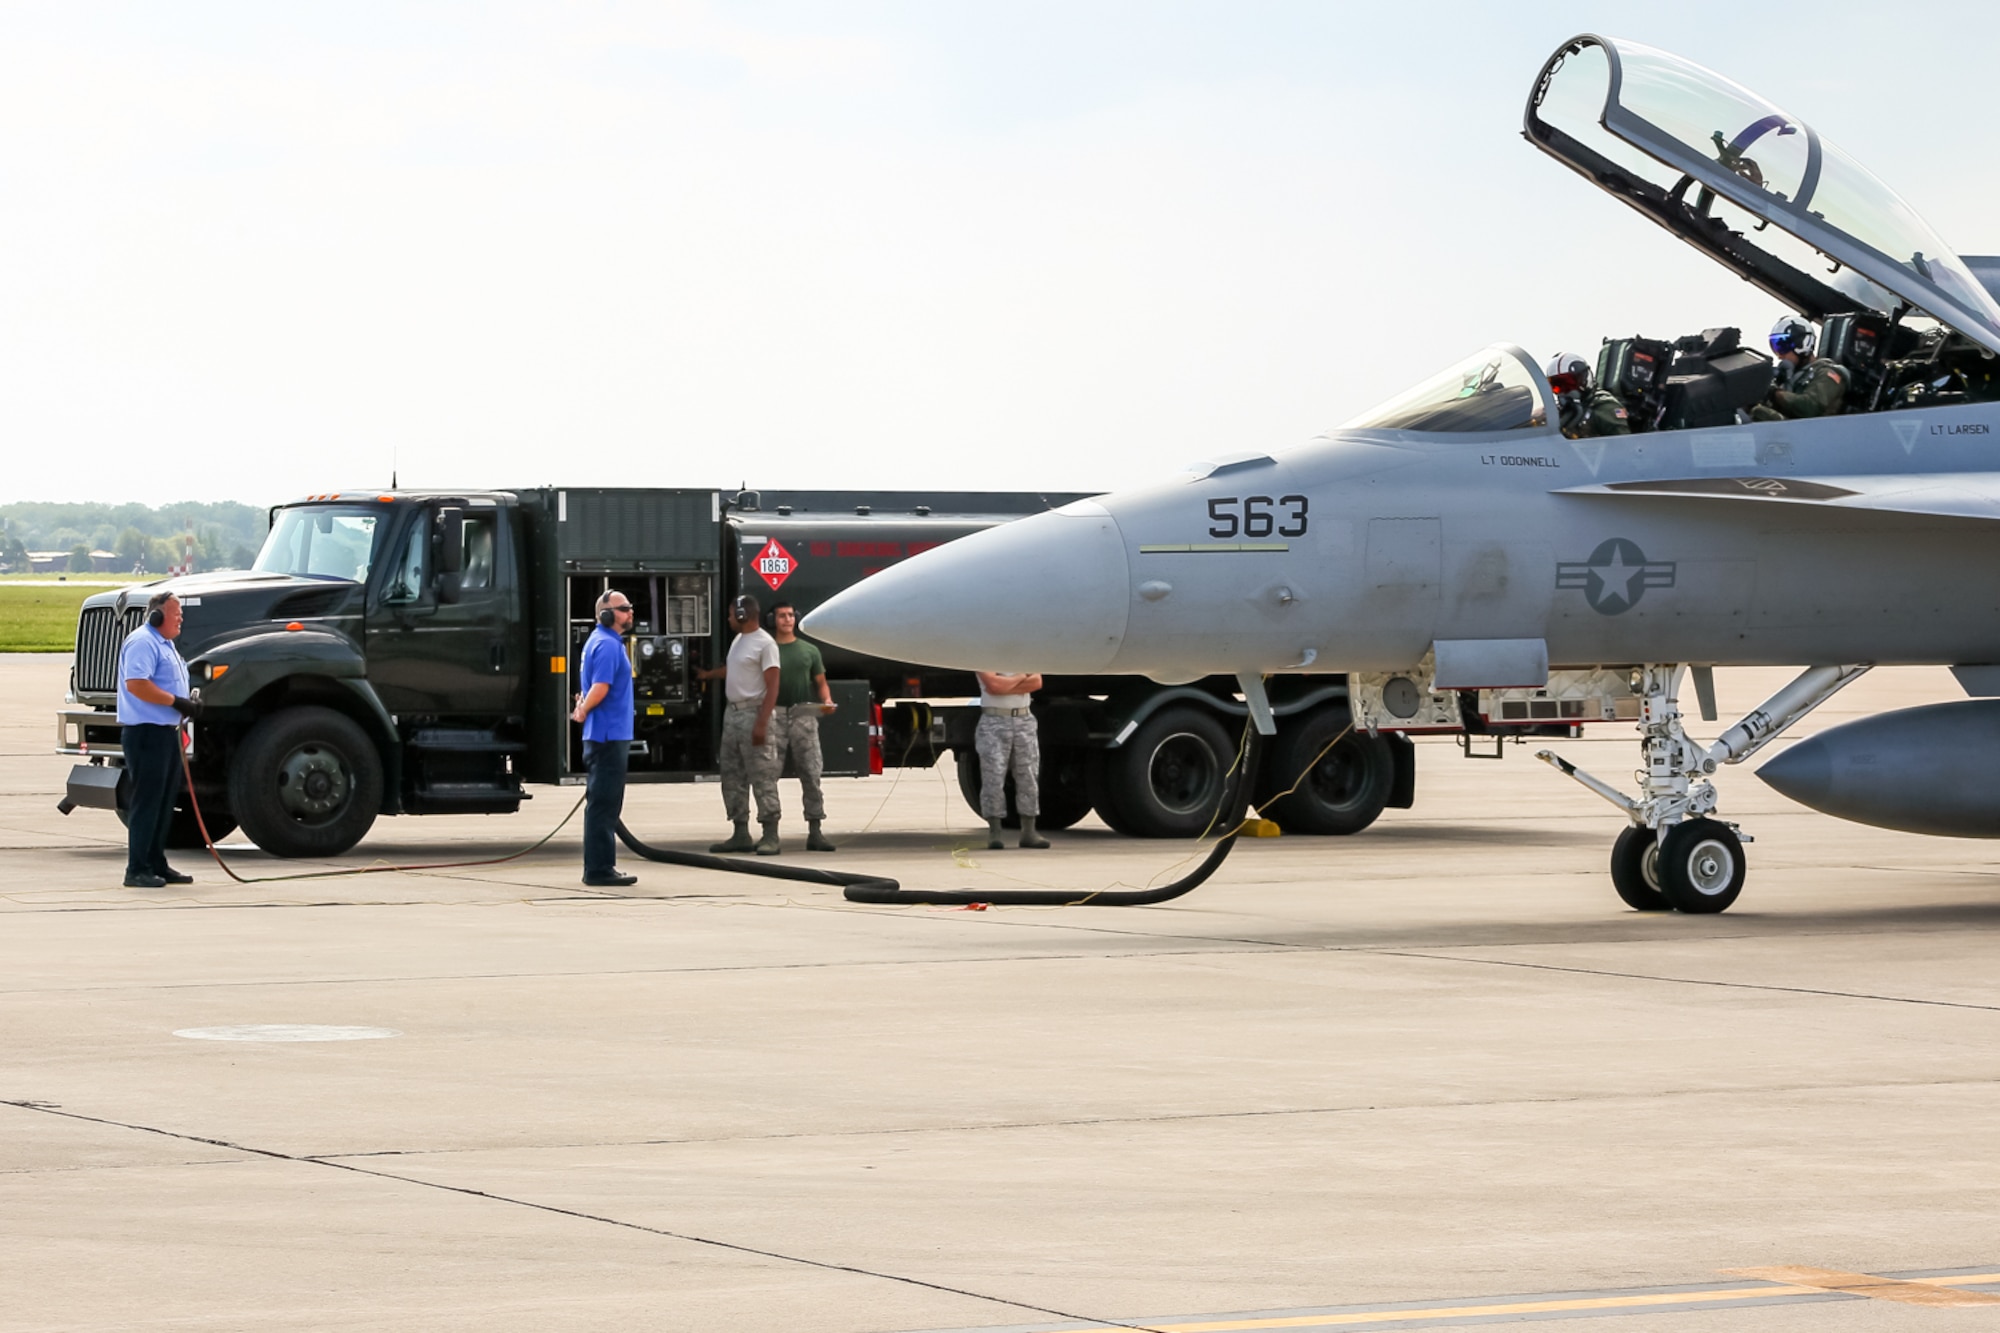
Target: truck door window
{"points": [[406, 579], [478, 552]]}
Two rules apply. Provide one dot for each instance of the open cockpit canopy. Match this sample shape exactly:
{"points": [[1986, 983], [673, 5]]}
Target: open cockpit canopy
{"points": [[1753, 187]]}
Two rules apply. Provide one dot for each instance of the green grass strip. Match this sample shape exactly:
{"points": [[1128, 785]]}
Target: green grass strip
{"points": [[39, 617]]}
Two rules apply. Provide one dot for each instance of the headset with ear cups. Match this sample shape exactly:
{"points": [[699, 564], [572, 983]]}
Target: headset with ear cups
{"points": [[156, 609]]}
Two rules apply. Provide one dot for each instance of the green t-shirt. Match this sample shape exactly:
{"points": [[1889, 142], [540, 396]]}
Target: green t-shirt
{"points": [[798, 663]]}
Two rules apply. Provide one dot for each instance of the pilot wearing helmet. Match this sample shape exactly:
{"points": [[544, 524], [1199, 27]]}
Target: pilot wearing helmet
{"points": [[1806, 386], [1587, 408]]}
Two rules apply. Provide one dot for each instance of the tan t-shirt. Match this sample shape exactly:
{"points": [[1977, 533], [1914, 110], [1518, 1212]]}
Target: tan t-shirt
{"points": [[749, 656]]}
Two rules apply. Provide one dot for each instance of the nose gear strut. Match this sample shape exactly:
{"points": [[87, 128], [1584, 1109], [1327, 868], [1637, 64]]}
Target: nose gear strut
{"points": [[1674, 854]]}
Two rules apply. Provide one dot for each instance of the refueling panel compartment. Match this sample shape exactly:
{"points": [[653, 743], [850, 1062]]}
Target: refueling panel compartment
{"points": [[673, 636]]}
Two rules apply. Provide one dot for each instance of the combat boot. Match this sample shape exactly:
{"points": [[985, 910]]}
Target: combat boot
{"points": [[1030, 838], [739, 841], [994, 842], [768, 844], [815, 840]]}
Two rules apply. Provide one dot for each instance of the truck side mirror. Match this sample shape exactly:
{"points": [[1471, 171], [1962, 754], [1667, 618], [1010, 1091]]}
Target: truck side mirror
{"points": [[451, 540], [450, 553]]}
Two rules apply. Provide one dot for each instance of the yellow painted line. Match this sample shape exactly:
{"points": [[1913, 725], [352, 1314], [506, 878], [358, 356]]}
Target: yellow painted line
{"points": [[1867, 1284], [1508, 1308], [1222, 547]]}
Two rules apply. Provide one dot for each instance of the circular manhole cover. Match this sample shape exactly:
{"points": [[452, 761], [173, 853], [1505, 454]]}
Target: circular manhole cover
{"points": [[285, 1032]]}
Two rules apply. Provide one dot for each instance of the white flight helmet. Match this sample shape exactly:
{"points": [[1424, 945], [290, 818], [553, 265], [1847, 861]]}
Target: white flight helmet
{"points": [[1569, 373]]}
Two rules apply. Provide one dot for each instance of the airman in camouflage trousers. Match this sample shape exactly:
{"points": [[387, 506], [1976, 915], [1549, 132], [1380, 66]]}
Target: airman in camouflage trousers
{"points": [[795, 732], [1009, 744], [748, 768], [1006, 740]]}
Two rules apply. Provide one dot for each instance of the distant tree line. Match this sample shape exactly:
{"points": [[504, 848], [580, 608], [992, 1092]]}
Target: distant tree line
{"points": [[227, 535]]}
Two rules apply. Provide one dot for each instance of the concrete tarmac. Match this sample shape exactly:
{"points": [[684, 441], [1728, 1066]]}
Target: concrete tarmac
{"points": [[1432, 1073]]}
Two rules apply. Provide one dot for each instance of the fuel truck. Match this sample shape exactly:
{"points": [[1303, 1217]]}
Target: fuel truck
{"points": [[415, 653]]}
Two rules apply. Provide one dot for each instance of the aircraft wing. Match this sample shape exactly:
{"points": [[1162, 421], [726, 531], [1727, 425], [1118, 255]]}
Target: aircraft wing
{"points": [[1973, 495]]}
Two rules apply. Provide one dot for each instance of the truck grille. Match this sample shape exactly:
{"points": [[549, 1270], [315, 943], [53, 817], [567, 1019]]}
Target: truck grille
{"points": [[100, 632]]}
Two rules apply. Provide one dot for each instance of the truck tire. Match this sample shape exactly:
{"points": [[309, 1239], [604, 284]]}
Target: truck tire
{"points": [[306, 782], [1065, 786], [1169, 778], [1064, 797], [184, 834], [1102, 798], [1339, 790]]}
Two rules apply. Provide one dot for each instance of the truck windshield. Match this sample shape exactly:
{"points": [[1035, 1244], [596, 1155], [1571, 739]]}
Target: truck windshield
{"points": [[1492, 390], [321, 543]]}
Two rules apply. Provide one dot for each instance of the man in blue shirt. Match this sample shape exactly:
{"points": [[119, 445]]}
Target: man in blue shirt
{"points": [[152, 700], [605, 709]]}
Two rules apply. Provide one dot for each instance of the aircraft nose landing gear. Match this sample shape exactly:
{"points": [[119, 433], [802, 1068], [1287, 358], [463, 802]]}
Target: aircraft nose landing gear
{"points": [[1701, 866], [1674, 854]]}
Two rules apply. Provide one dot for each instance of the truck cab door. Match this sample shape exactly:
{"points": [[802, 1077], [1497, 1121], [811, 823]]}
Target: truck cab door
{"points": [[450, 642]]}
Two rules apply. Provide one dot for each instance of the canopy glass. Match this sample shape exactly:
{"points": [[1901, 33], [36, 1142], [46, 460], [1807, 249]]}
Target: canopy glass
{"points": [[1793, 193], [1496, 389]]}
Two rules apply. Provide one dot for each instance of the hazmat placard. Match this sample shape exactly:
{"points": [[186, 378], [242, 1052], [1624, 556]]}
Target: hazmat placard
{"points": [[774, 564]]}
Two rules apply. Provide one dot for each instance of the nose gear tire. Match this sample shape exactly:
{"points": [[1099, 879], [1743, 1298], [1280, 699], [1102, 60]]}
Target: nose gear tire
{"points": [[1635, 869], [1701, 866]]}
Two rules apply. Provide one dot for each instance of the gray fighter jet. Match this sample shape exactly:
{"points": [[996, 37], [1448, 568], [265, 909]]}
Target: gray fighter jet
{"points": [[1473, 568]]}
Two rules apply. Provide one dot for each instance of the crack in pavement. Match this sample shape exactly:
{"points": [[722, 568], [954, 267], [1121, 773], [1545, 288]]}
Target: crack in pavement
{"points": [[1220, 947], [1687, 981], [112, 1166], [805, 966], [1183, 1117], [823, 1264]]}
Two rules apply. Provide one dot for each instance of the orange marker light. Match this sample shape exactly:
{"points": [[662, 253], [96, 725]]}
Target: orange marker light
{"points": [[295, 625]]}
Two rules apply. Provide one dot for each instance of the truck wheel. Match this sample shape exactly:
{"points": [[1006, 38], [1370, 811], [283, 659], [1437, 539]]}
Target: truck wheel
{"points": [[1339, 789], [971, 784], [306, 782], [1168, 780], [185, 833], [1065, 787], [1064, 797], [1102, 798]]}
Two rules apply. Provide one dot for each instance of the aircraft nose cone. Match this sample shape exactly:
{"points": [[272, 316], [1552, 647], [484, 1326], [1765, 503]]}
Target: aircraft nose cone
{"points": [[1047, 593]]}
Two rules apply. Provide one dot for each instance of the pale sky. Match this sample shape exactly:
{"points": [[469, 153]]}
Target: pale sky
{"points": [[249, 251]]}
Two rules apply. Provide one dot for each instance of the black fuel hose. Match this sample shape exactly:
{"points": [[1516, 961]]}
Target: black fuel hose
{"points": [[865, 888]]}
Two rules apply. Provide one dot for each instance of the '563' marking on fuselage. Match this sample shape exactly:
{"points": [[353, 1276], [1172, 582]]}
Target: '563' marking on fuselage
{"points": [[1252, 516]]}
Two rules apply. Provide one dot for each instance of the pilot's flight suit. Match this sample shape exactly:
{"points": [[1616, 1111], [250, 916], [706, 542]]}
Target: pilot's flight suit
{"points": [[1602, 413], [1815, 390]]}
